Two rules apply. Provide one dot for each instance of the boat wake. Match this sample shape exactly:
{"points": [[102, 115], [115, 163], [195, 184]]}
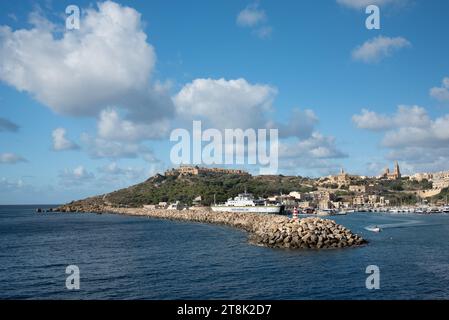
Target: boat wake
{"points": [[404, 224]]}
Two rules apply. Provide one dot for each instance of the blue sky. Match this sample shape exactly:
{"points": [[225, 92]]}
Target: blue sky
{"points": [[88, 111]]}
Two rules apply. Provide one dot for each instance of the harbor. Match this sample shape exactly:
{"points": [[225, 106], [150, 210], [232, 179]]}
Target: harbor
{"points": [[151, 258], [268, 230]]}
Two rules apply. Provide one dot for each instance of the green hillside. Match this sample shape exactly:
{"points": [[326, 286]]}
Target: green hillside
{"points": [[187, 187]]}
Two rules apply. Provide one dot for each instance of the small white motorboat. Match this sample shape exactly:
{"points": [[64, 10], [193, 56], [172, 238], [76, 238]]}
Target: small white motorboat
{"points": [[374, 229]]}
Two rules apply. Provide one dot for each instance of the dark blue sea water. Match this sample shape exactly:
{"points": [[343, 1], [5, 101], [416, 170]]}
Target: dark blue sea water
{"points": [[123, 257]]}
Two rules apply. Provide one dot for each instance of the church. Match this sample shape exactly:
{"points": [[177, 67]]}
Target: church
{"points": [[395, 175]]}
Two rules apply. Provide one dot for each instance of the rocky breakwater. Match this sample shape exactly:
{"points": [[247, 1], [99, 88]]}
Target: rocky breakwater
{"points": [[268, 230], [307, 233]]}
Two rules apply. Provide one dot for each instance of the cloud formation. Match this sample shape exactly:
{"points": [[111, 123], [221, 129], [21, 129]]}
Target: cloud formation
{"points": [[103, 70], [107, 62], [128, 172], [378, 48], [441, 93], [251, 16], [255, 18], [75, 176], [315, 155], [106, 69], [300, 124], [60, 142], [7, 185], [411, 135], [316, 146], [112, 127], [11, 158], [226, 103], [8, 126], [231, 104], [409, 116], [99, 148]]}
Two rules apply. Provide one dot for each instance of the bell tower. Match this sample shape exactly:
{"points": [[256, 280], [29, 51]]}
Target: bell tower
{"points": [[397, 171]]}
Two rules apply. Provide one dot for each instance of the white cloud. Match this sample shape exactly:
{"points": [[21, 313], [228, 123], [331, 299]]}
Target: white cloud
{"points": [[315, 155], [11, 158], [412, 136], [231, 104], [121, 138], [60, 142], [255, 18], [441, 93], [378, 48], [102, 148], [226, 103], [412, 116], [102, 70], [8, 185], [76, 176], [112, 127], [128, 172], [107, 62], [251, 16], [359, 4], [300, 124], [6, 125], [113, 177], [264, 32], [431, 134], [12, 16], [371, 120], [316, 146]]}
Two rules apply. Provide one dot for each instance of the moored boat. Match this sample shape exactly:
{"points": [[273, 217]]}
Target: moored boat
{"points": [[245, 202], [326, 212]]}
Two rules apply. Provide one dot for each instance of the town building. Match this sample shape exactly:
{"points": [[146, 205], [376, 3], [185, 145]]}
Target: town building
{"points": [[395, 175], [364, 189], [325, 204], [360, 200], [440, 180], [322, 196], [197, 201], [422, 176], [358, 189], [284, 199], [301, 196], [176, 206], [306, 204], [342, 179], [162, 205]]}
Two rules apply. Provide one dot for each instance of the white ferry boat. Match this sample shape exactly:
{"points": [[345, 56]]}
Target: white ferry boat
{"points": [[245, 202]]}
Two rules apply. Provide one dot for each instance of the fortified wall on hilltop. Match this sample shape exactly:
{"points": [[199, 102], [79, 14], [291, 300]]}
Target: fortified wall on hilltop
{"points": [[195, 170]]}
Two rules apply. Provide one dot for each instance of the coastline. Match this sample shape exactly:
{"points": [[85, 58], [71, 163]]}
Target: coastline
{"points": [[269, 230]]}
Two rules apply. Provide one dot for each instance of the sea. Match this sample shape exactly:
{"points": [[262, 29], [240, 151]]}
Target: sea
{"points": [[123, 257]]}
